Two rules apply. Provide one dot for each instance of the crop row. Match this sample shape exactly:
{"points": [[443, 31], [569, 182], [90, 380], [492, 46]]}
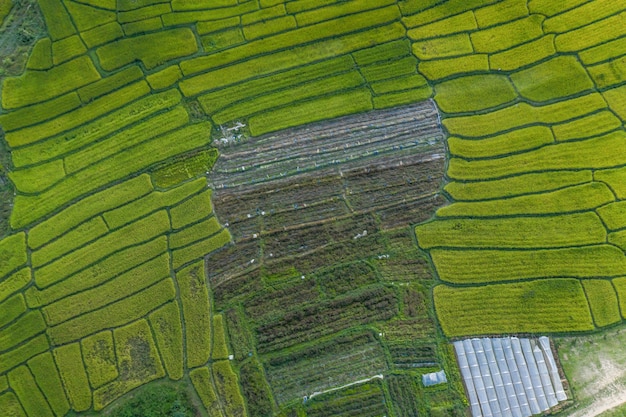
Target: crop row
{"points": [[29, 394], [115, 314], [123, 263], [14, 282], [91, 123], [69, 361], [401, 389], [513, 232], [184, 167], [166, 322], [47, 377], [464, 266], [23, 352], [194, 296], [201, 380], [199, 249], [29, 208], [548, 305], [602, 301], [227, 388], [22, 328], [364, 400], [138, 232], [255, 389], [12, 253], [116, 289]]}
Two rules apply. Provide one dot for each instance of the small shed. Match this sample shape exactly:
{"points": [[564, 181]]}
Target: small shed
{"points": [[434, 378]]}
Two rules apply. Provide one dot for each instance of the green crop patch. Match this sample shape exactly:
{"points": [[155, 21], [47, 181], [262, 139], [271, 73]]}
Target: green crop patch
{"points": [[384, 101], [38, 178], [164, 78], [269, 27], [549, 305], [474, 92], [618, 239], [86, 17], [79, 236], [168, 330], [12, 308], [600, 152], [66, 49], [399, 84], [581, 16], [444, 47], [283, 60], [194, 233], [115, 314], [463, 22], [14, 283], [138, 361], [517, 185], [603, 52], [505, 36], [567, 200], [58, 21], [550, 8], [29, 208], [184, 167], [37, 86], [149, 49], [390, 69], [23, 352], [227, 388], [143, 13], [424, 12], [523, 55], [130, 235], [366, 399], [254, 389], [100, 361], [442, 68], [91, 132], [216, 25], [194, 295], [38, 113], [613, 215], [152, 202], [511, 142], [47, 377], [521, 114], [123, 262], [266, 85], [74, 119], [559, 77], [615, 178], [11, 405], [501, 12], [220, 349], [484, 266], [12, 253], [593, 125], [616, 98], [187, 17], [102, 34], [31, 398], [355, 101], [201, 380], [69, 361], [137, 134], [109, 84], [41, 55], [313, 89], [603, 301], [147, 25], [609, 73], [116, 289], [620, 287], [200, 249], [87, 208], [191, 210], [592, 35], [26, 326], [517, 232], [224, 39]]}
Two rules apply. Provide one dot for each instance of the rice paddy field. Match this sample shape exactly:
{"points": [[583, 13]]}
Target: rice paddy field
{"points": [[289, 207]]}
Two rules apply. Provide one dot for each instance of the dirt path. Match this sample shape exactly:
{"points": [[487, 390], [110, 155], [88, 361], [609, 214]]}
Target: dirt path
{"points": [[615, 396]]}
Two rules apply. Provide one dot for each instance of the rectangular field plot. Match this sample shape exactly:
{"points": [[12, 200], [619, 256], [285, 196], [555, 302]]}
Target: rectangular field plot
{"points": [[509, 377]]}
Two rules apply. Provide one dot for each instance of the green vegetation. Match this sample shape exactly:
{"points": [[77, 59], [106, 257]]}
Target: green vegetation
{"points": [[471, 93], [219, 349], [14, 283], [69, 361], [166, 323], [47, 377], [511, 142], [148, 49], [191, 210], [39, 112], [31, 398], [196, 313], [603, 302], [99, 357], [23, 352], [548, 305], [197, 250], [156, 400], [66, 49], [184, 168], [109, 84], [23, 328], [201, 379], [12, 253], [227, 388]]}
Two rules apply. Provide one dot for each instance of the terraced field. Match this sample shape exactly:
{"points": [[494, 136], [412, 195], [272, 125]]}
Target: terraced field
{"points": [[125, 106], [533, 100]]}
